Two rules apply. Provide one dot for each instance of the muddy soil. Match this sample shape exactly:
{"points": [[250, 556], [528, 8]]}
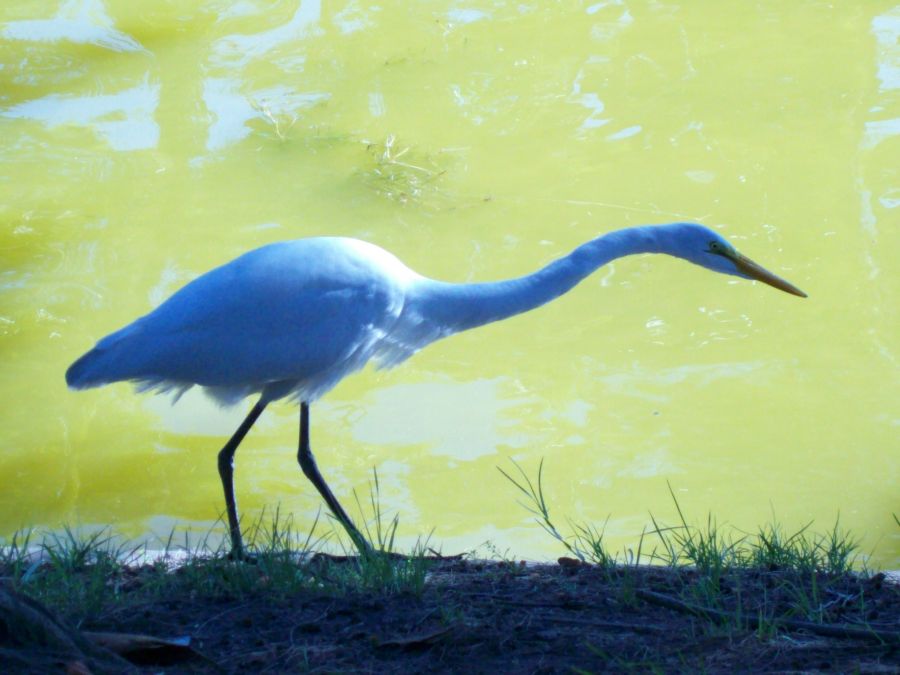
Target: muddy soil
{"points": [[489, 617]]}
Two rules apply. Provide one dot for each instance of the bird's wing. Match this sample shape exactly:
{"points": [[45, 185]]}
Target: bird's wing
{"points": [[283, 313]]}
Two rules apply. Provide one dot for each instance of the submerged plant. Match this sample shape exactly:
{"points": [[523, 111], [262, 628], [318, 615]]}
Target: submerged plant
{"points": [[402, 174]]}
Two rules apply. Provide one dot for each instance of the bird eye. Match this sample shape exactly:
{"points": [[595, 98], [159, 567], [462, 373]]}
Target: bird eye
{"points": [[716, 247]]}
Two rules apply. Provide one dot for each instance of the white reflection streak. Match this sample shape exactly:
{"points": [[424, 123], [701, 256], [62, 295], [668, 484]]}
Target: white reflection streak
{"points": [[463, 16], [878, 131], [656, 462], [606, 30], [233, 109], [79, 21], [471, 423], [886, 29], [234, 10], [627, 132], [124, 120], [631, 383], [589, 100], [240, 49], [352, 19], [377, 106], [603, 31]]}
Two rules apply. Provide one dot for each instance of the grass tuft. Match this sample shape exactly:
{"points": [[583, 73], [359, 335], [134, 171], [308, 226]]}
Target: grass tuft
{"points": [[833, 552], [585, 542], [84, 575], [710, 550], [798, 575]]}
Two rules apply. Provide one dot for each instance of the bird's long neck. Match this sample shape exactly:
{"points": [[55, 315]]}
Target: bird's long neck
{"points": [[457, 307]]}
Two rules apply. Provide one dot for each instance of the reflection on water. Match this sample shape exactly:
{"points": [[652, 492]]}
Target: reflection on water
{"points": [[475, 419], [238, 50], [886, 29], [79, 21], [232, 108], [146, 143], [125, 119], [641, 382]]}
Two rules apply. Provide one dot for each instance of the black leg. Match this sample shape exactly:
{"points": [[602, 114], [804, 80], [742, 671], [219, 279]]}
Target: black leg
{"points": [[311, 471], [226, 472]]}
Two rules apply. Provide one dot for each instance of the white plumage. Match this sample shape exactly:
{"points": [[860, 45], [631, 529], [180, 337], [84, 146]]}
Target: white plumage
{"points": [[287, 319]]}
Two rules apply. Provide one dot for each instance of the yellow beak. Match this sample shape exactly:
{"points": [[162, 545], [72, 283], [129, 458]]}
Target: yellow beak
{"points": [[760, 273]]}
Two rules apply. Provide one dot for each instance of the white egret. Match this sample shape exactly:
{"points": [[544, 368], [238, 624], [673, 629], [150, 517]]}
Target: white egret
{"points": [[292, 319]]}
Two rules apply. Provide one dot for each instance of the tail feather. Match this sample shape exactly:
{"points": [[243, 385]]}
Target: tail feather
{"points": [[116, 357], [89, 371]]}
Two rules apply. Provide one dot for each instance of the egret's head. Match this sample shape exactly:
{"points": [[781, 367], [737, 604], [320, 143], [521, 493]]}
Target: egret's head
{"points": [[701, 246]]}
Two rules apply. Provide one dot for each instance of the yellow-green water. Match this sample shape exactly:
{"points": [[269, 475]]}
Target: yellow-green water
{"points": [[143, 143]]}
